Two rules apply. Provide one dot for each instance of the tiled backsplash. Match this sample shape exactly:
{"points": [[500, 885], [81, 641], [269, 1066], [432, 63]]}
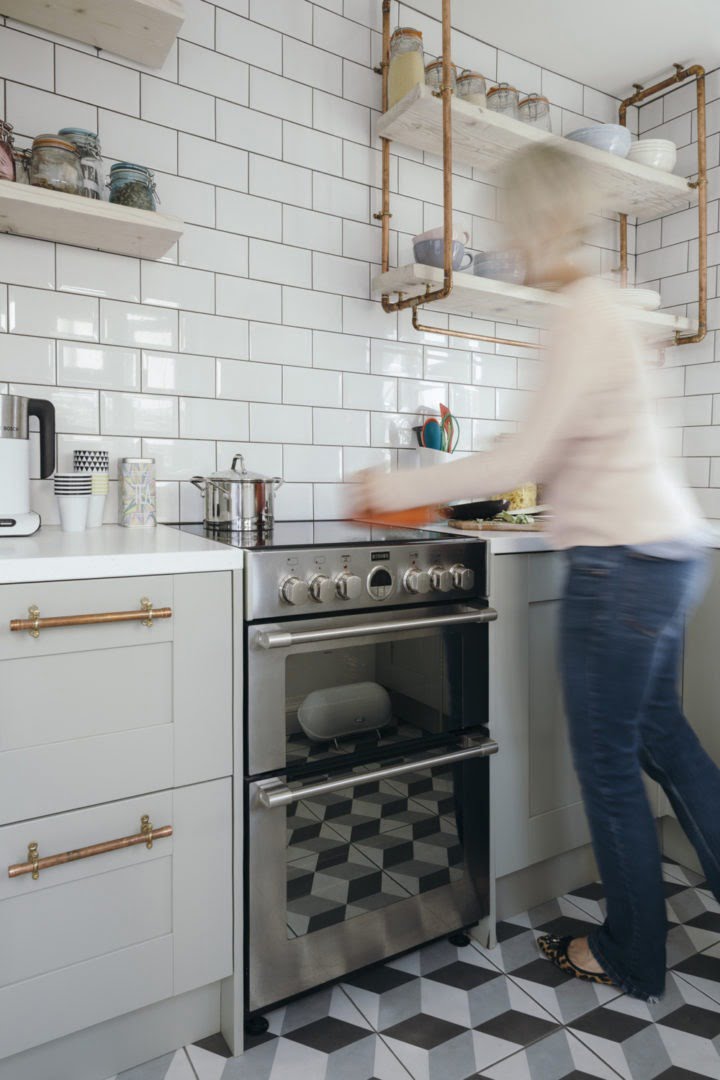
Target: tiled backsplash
{"points": [[258, 332]]}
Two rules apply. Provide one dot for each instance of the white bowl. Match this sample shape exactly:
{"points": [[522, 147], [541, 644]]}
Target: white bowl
{"points": [[647, 299], [656, 153]]}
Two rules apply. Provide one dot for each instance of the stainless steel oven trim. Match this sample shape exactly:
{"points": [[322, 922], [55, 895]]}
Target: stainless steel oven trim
{"points": [[274, 792], [287, 639]]}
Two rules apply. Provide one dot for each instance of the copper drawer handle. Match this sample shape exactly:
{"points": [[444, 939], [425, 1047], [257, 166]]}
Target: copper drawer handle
{"points": [[35, 864], [35, 624]]}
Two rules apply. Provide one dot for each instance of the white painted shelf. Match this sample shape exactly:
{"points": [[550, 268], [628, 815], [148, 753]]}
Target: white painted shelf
{"points": [[486, 140], [499, 301], [141, 30], [89, 223]]}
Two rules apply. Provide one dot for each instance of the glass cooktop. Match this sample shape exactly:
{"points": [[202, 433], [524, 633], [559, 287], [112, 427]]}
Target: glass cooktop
{"points": [[295, 534]]}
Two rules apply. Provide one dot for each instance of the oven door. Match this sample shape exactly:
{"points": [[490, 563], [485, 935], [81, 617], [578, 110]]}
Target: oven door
{"points": [[350, 869], [366, 684]]}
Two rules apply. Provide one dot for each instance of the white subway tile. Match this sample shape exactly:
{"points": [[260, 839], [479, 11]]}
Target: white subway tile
{"points": [[137, 326], [365, 12], [213, 335], [201, 418], [530, 373], [374, 392], [281, 181], [697, 471], [393, 429], [367, 317], [415, 395], [187, 199], [421, 182], [249, 215], [280, 423], [307, 386], [701, 441], [248, 129], [472, 401], [33, 111], [294, 502], [273, 94], [178, 373], [99, 366], [312, 66], [563, 92], [316, 310], [177, 287], [670, 382], [341, 427], [702, 379], [342, 118], [358, 458], [27, 262], [244, 298], [213, 73], [362, 241], [211, 249], [47, 314], [490, 370], [212, 162], [685, 411], [244, 381], [27, 59], [662, 262], [179, 459], [347, 276], [138, 414], [97, 274], [127, 139], [331, 5], [449, 365], [647, 235], [308, 229], [331, 502], [396, 358], [303, 146], [341, 36], [248, 41], [117, 448], [526, 77], [407, 214], [468, 52], [293, 17], [679, 227], [709, 500], [280, 263], [76, 411], [199, 24], [485, 432], [265, 458], [280, 344], [517, 333], [167, 497], [113, 86], [683, 99], [341, 352], [312, 464], [512, 404], [599, 106], [680, 289], [361, 84], [27, 359]]}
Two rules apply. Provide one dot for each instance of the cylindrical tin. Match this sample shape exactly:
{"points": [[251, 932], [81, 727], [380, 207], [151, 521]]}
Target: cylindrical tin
{"points": [[138, 506]]}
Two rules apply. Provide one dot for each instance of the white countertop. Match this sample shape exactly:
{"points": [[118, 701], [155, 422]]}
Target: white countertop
{"points": [[501, 543], [110, 551]]}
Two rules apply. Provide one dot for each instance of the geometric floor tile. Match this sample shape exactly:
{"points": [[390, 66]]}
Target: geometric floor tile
{"points": [[172, 1066], [558, 1057]]}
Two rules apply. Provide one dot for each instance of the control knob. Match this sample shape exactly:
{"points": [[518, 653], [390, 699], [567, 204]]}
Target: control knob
{"points": [[417, 581], [322, 589], [293, 590], [348, 586], [441, 579], [463, 577]]}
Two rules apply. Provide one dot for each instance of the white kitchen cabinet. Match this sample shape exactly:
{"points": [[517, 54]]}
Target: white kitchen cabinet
{"points": [[701, 672]]}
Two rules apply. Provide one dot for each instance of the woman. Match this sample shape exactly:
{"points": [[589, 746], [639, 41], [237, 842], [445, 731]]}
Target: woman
{"points": [[635, 566]]}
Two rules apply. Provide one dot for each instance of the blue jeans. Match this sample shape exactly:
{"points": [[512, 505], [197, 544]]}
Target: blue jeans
{"points": [[623, 617]]}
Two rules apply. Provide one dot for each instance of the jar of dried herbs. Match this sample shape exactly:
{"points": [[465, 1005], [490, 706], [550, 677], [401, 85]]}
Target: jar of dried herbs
{"points": [[7, 160], [56, 165], [22, 158], [88, 147], [133, 185]]}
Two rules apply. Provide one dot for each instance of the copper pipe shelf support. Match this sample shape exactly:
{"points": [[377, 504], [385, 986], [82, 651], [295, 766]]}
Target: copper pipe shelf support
{"points": [[35, 624], [641, 94], [470, 336], [35, 864]]}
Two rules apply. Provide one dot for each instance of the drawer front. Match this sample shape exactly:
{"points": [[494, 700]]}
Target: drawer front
{"points": [[546, 576], [101, 936], [116, 718]]}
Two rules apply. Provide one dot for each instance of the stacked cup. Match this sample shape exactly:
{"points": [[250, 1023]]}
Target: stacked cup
{"points": [[73, 492], [97, 463]]}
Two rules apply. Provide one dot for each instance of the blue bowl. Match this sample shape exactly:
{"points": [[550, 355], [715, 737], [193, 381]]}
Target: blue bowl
{"points": [[614, 138], [431, 253]]}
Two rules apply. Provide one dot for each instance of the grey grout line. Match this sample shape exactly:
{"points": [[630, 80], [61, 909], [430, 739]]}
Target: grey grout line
{"points": [[189, 1059]]}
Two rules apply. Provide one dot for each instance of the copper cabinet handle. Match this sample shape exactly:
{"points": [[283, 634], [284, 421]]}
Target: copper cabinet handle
{"points": [[35, 864], [35, 624]]}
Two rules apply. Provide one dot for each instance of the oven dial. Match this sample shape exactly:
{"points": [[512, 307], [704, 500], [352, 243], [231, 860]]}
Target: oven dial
{"points": [[441, 579], [417, 581], [463, 577], [293, 590], [348, 586], [322, 588], [380, 583]]}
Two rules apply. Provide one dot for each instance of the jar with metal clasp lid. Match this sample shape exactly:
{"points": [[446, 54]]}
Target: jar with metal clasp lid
{"points": [[7, 159], [407, 67], [133, 186], [503, 98], [471, 88], [87, 144], [56, 165], [535, 110], [23, 159], [434, 75]]}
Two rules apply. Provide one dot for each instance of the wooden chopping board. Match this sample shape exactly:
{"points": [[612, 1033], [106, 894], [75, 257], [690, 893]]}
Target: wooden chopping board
{"points": [[496, 526]]}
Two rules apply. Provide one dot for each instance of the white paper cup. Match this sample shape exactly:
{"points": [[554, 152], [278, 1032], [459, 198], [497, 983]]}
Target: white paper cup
{"points": [[96, 511], [73, 512]]}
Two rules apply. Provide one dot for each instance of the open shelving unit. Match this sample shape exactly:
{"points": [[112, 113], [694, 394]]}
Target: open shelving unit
{"points": [[88, 223], [140, 30]]}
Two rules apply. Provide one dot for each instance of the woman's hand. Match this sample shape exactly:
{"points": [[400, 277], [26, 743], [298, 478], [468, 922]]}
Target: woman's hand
{"points": [[365, 495]]}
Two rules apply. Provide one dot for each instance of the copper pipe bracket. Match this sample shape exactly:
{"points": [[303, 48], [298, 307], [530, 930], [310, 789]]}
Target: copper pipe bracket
{"points": [[33, 858], [147, 607], [147, 830], [34, 613]]}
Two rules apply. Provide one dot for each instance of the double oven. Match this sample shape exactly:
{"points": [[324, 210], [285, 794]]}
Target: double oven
{"points": [[367, 753]]}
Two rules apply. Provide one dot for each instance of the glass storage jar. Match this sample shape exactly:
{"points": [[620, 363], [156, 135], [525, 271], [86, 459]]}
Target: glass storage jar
{"points": [[434, 75], [535, 110], [407, 66], [133, 185], [55, 164], [503, 98], [22, 165], [7, 159], [471, 88], [87, 145]]}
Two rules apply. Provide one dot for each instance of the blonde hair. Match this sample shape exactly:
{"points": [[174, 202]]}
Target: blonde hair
{"points": [[548, 197]]}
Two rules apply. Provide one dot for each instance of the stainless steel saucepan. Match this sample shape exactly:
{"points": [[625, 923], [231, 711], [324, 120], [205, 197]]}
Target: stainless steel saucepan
{"points": [[238, 500]]}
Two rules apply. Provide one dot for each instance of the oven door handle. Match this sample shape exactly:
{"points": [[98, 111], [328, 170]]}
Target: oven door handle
{"points": [[272, 793], [282, 639]]}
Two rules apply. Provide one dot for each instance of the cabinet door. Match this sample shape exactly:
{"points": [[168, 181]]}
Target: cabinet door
{"points": [[701, 671]]}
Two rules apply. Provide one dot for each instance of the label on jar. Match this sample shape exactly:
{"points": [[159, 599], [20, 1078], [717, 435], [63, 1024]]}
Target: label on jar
{"points": [[91, 182]]}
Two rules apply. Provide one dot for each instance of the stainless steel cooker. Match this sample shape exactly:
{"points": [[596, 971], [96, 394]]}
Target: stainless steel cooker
{"points": [[238, 500]]}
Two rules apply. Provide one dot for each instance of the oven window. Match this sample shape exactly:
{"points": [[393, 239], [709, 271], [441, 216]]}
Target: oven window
{"points": [[360, 850]]}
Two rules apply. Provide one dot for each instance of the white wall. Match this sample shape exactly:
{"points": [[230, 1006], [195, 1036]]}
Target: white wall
{"points": [[258, 332]]}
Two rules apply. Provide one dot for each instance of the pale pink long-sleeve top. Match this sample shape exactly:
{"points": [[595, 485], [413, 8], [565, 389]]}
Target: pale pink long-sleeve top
{"points": [[592, 438]]}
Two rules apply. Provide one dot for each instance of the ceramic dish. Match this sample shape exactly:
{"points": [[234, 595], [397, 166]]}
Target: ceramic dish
{"points": [[499, 265], [614, 138], [656, 153], [647, 299]]}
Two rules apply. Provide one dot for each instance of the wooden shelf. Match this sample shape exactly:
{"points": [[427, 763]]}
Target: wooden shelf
{"points": [[499, 301], [487, 140], [141, 30], [89, 223]]}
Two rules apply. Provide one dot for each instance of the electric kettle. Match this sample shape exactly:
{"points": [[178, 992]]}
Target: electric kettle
{"points": [[16, 517]]}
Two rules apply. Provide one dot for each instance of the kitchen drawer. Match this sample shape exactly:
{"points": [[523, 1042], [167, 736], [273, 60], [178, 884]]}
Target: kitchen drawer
{"points": [[546, 576], [102, 712], [102, 936]]}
